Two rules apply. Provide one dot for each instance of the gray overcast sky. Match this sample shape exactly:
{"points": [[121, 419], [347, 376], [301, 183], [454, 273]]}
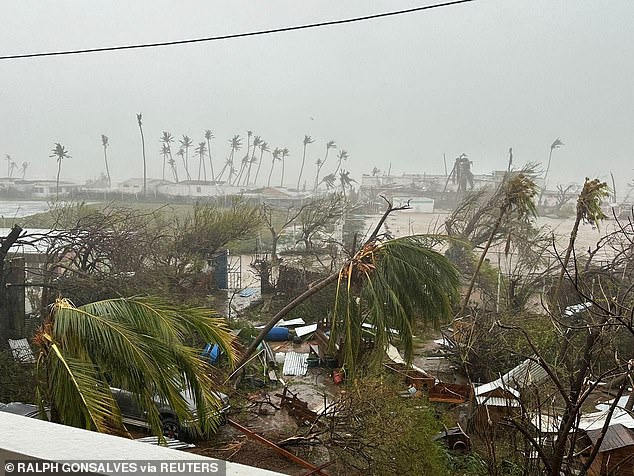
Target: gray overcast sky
{"points": [[475, 78]]}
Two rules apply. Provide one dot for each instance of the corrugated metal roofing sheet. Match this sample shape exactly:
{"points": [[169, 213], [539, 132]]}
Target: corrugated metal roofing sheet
{"points": [[525, 374], [295, 364], [497, 402], [617, 436]]}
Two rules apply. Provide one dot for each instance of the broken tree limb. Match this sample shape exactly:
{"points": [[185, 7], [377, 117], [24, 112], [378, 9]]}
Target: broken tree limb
{"points": [[314, 289], [281, 451]]}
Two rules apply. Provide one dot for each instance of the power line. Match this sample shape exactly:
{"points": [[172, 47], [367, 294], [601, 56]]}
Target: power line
{"points": [[237, 35]]}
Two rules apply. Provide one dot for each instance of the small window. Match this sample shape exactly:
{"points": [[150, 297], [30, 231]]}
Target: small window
{"points": [[197, 189]]}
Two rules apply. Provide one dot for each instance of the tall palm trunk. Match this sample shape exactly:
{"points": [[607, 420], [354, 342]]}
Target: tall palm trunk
{"points": [[187, 163], [268, 184], [301, 170], [139, 118], [257, 172], [248, 179], [494, 230], [105, 158], [59, 169], [282, 178], [211, 165]]}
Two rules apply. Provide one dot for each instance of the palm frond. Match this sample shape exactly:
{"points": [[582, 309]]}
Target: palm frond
{"points": [[390, 285], [139, 344]]}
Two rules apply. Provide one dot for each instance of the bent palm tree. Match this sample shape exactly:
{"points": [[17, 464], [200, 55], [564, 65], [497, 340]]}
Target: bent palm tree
{"points": [[208, 136], [236, 144], [139, 344], [25, 165], [588, 210], [104, 143], [201, 150], [275, 155], [166, 139], [388, 284], [12, 167], [186, 143], [285, 153], [555, 145], [264, 147], [518, 196], [60, 153], [320, 163], [172, 164], [257, 141], [307, 140], [342, 155]]}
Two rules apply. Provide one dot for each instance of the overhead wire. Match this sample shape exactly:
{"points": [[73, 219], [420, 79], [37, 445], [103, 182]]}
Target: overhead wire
{"points": [[236, 35]]}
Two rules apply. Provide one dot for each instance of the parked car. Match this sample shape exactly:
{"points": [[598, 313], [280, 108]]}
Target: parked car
{"points": [[134, 415], [18, 408]]}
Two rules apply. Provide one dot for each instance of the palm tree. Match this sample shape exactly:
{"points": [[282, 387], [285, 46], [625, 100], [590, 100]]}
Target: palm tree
{"points": [[208, 136], [345, 181], [342, 155], [12, 167], [387, 284], [555, 145], [285, 153], [236, 144], [172, 164], [257, 140], [264, 147], [104, 143], [139, 118], [588, 210], [275, 155], [320, 162], [60, 153], [166, 139], [307, 140], [249, 134], [25, 165], [329, 181], [9, 160], [201, 150], [165, 152], [140, 344], [181, 154], [186, 143], [518, 196], [244, 162]]}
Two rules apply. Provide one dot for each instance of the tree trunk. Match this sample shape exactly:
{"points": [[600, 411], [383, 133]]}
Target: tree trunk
{"points": [[482, 257], [144, 163], [211, 165], [564, 264], [59, 169], [284, 311], [7, 243], [105, 158], [301, 170]]}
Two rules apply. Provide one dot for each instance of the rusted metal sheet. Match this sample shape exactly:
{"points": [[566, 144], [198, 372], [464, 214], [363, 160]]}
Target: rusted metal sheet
{"points": [[450, 393], [296, 407]]}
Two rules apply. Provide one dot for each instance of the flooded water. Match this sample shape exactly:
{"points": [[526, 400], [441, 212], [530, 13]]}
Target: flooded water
{"points": [[20, 208]]}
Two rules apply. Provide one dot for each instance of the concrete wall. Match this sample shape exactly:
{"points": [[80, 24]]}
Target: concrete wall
{"points": [[23, 438]]}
